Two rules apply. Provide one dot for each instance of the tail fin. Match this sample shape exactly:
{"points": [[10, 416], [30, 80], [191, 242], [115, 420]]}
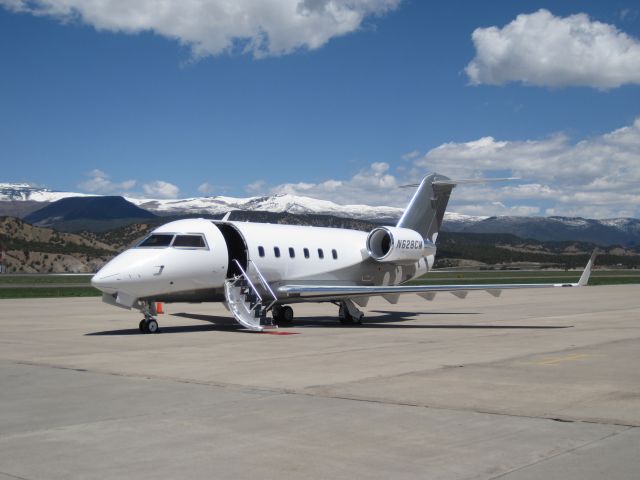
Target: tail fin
{"points": [[425, 211]]}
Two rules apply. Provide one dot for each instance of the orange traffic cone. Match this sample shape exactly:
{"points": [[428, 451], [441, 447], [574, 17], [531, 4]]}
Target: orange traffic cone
{"points": [[159, 308]]}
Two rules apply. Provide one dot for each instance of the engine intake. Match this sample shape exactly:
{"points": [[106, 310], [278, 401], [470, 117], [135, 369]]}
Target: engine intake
{"points": [[397, 245]]}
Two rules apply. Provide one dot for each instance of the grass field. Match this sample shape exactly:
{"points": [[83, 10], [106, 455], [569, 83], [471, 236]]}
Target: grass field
{"points": [[48, 292], [47, 286], [37, 279]]}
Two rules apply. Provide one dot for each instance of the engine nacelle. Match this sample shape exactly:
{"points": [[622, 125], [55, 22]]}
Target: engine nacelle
{"points": [[398, 245]]}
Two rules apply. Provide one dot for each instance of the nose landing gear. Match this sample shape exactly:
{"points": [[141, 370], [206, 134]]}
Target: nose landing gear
{"points": [[148, 324]]}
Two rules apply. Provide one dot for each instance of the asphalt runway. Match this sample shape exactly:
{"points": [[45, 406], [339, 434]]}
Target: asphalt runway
{"points": [[534, 384]]}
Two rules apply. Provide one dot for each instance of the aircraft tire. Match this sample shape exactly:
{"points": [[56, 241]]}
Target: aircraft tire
{"points": [[141, 326], [286, 314], [344, 317], [282, 315], [347, 319], [151, 326]]}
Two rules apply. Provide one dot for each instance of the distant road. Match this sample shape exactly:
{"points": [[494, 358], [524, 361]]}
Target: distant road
{"points": [[44, 285]]}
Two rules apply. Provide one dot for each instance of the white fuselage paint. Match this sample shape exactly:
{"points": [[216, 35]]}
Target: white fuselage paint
{"points": [[198, 274]]}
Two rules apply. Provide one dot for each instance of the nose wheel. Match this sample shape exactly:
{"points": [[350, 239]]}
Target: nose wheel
{"points": [[148, 324]]}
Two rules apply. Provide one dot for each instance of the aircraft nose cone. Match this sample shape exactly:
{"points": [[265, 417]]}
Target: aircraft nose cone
{"points": [[110, 276], [104, 281], [130, 272]]}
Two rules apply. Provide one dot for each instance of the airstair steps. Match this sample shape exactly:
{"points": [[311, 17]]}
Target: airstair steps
{"points": [[246, 303]]}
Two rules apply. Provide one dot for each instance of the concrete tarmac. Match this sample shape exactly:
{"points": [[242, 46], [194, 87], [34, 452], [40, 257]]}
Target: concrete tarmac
{"points": [[534, 384]]}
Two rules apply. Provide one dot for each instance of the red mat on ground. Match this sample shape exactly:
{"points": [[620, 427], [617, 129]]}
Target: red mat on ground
{"points": [[281, 333]]}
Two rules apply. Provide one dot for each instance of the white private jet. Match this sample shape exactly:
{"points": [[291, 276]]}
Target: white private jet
{"points": [[257, 268]]}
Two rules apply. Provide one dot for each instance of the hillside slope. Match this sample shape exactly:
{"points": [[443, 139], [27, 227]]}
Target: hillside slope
{"points": [[35, 249], [617, 231], [43, 250]]}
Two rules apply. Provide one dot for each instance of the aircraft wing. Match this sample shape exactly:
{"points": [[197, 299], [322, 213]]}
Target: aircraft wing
{"points": [[428, 291]]}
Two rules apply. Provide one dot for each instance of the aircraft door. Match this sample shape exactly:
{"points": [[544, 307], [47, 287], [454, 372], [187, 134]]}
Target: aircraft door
{"points": [[236, 248]]}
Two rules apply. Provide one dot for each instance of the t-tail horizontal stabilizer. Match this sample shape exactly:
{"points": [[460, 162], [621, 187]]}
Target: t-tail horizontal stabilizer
{"points": [[426, 209], [464, 181]]}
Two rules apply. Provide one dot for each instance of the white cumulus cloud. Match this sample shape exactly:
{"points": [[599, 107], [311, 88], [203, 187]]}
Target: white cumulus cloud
{"points": [[206, 188], [211, 27], [594, 177], [597, 177], [99, 182], [372, 186], [545, 50], [160, 189]]}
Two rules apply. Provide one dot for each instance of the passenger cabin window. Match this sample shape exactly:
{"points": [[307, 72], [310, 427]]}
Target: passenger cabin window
{"points": [[189, 241], [261, 251], [276, 252], [320, 254], [156, 240], [334, 252], [306, 252], [292, 252]]}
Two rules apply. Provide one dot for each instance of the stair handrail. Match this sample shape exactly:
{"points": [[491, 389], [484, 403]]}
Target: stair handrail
{"points": [[253, 287], [265, 284]]}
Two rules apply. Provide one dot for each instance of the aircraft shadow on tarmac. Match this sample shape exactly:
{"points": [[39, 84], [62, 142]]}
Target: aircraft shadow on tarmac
{"points": [[388, 319]]}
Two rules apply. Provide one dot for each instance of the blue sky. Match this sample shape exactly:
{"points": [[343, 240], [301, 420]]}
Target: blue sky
{"points": [[365, 96]]}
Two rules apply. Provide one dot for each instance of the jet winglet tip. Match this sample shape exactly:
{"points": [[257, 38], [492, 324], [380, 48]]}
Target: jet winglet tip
{"points": [[584, 278]]}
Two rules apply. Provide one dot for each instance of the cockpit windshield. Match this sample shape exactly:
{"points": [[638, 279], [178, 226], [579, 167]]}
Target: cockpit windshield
{"points": [[189, 241], [164, 240], [157, 240]]}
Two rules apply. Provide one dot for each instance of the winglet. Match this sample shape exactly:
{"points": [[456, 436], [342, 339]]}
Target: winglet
{"points": [[584, 278]]}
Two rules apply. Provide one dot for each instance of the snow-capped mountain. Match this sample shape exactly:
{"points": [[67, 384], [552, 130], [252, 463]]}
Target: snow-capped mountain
{"points": [[275, 203], [22, 199], [23, 192], [20, 192], [283, 203], [221, 204]]}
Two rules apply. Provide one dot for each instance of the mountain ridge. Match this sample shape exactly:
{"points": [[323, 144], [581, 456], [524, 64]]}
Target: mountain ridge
{"points": [[87, 208], [24, 199]]}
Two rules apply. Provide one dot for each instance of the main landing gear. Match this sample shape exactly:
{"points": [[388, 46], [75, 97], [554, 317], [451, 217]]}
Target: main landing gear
{"points": [[349, 314], [148, 324], [282, 315]]}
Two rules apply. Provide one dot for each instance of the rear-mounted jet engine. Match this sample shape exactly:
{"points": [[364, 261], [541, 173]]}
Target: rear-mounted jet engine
{"points": [[398, 245]]}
